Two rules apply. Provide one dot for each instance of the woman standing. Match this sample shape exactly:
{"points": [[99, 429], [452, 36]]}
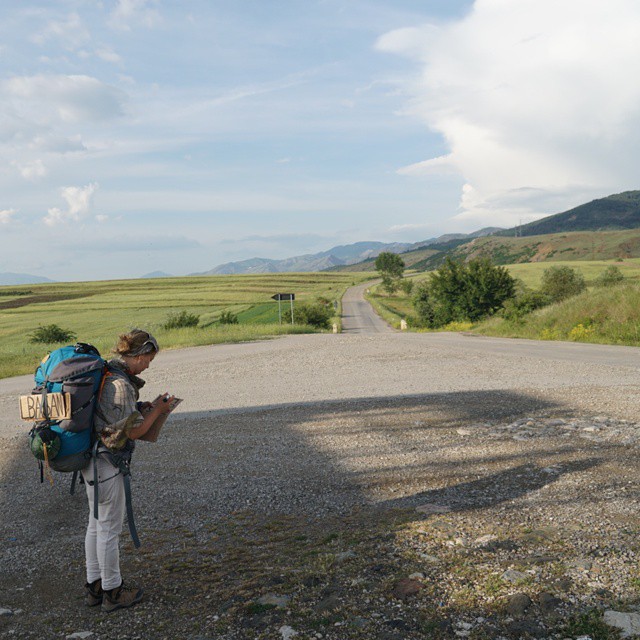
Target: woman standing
{"points": [[120, 420]]}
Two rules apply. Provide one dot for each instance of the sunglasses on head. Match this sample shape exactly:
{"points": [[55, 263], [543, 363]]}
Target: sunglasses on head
{"points": [[150, 342]]}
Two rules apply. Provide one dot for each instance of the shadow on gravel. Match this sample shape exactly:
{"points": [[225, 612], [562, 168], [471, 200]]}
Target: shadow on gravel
{"points": [[226, 502]]}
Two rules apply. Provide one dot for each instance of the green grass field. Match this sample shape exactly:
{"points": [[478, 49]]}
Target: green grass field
{"points": [[98, 311]]}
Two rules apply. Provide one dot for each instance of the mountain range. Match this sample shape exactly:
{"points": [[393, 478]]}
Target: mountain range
{"points": [[340, 256]]}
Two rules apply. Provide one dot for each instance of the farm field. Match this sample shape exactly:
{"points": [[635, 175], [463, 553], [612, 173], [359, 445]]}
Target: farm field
{"points": [[97, 311]]}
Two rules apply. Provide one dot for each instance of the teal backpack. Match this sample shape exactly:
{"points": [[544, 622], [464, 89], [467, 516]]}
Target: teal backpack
{"points": [[70, 445], [66, 445]]}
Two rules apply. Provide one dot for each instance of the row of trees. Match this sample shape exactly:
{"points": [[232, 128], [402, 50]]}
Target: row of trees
{"points": [[470, 291]]}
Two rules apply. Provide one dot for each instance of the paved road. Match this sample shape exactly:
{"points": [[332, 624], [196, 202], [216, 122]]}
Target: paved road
{"points": [[357, 314]]}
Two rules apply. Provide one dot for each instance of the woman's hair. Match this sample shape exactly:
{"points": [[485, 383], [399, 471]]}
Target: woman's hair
{"points": [[136, 343]]}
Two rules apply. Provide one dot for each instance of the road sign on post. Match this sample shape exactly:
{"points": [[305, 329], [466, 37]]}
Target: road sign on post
{"points": [[284, 296]]}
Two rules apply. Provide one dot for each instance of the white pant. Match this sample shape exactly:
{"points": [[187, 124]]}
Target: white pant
{"points": [[103, 535]]}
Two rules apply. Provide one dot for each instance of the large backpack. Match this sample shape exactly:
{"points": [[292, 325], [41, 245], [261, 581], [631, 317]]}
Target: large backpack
{"points": [[70, 445], [78, 370]]}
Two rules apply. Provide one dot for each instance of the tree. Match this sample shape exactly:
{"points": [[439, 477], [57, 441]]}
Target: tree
{"points": [[458, 292], [487, 287], [390, 264], [560, 283]]}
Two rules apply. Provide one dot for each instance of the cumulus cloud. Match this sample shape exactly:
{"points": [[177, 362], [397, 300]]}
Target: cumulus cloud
{"points": [[72, 99], [6, 215], [538, 102], [78, 205], [130, 12]]}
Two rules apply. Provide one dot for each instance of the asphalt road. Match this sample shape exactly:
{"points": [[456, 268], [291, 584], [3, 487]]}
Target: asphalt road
{"points": [[357, 314]]}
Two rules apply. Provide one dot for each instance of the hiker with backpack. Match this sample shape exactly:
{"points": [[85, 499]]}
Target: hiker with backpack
{"points": [[119, 420]]}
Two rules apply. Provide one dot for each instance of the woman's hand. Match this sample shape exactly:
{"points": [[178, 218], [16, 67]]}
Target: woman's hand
{"points": [[162, 404]]}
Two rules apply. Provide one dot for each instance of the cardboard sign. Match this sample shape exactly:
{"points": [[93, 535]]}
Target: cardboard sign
{"points": [[59, 405]]}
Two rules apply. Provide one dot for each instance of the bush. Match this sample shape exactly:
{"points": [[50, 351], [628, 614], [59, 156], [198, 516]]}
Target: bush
{"points": [[609, 277], [228, 317], [389, 284], [51, 333], [425, 307], [463, 292], [314, 313], [560, 283], [406, 286], [181, 320], [522, 304]]}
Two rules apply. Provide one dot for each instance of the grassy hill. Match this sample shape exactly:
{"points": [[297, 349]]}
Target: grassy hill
{"points": [[606, 315]]}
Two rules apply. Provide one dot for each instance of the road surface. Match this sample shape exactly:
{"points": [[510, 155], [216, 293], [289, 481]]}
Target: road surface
{"points": [[358, 315]]}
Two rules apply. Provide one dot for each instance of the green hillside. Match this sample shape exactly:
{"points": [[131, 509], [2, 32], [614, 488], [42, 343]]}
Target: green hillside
{"points": [[618, 211]]}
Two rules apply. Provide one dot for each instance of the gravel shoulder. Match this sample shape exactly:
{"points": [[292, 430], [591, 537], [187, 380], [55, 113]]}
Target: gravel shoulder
{"points": [[389, 486]]}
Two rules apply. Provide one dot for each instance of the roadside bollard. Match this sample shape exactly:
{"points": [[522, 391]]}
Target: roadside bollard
{"points": [[335, 327], [403, 325]]}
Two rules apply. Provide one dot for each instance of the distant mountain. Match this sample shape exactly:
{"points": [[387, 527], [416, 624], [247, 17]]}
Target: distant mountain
{"points": [[7, 278], [420, 253], [337, 256], [615, 212], [156, 274]]}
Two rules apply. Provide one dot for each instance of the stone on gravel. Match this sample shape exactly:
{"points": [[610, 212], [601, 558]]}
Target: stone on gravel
{"points": [[518, 604], [6, 612], [80, 635], [328, 604], [287, 632], [405, 588], [513, 576], [628, 623], [271, 599], [548, 602]]}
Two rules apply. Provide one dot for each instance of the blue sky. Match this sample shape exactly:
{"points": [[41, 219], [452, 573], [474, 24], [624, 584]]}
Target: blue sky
{"points": [[141, 135]]}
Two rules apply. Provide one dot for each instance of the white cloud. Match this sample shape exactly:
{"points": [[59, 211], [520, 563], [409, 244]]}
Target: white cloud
{"points": [[538, 102], [102, 218], [108, 55], [71, 99], [131, 12], [69, 33], [6, 215], [58, 143], [31, 170], [78, 205]]}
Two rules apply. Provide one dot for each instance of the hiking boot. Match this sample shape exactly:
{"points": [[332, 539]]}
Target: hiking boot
{"points": [[120, 598], [94, 593]]}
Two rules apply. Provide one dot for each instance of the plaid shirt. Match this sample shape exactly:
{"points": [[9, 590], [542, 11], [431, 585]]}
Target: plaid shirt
{"points": [[116, 414]]}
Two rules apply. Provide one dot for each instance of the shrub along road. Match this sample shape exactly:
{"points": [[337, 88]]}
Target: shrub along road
{"points": [[378, 485]]}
